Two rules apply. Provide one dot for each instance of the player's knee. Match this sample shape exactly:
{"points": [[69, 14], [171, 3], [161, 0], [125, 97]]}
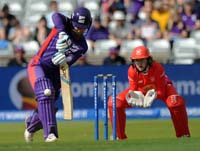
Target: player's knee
{"points": [[44, 89], [175, 101]]}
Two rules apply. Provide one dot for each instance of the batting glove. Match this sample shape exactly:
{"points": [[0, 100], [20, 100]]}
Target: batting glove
{"points": [[58, 58], [63, 43], [135, 98], [149, 98]]}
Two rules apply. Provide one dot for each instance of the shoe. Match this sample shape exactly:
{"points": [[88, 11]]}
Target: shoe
{"points": [[26, 121], [112, 139], [51, 138], [28, 136], [185, 136]]}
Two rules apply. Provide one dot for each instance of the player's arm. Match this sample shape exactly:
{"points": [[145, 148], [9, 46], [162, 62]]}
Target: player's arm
{"points": [[132, 78], [72, 55], [160, 81], [64, 42], [134, 97], [63, 45], [59, 21]]}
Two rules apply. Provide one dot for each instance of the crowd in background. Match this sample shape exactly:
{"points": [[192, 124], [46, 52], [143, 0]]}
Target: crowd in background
{"points": [[118, 20]]}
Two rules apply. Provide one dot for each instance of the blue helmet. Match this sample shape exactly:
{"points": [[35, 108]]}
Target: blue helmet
{"points": [[81, 18]]}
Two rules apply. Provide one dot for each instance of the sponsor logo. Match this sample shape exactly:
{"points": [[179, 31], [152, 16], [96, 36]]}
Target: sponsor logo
{"points": [[81, 19]]}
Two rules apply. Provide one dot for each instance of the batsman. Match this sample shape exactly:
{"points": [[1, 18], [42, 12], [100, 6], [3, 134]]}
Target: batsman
{"points": [[65, 44], [148, 81]]}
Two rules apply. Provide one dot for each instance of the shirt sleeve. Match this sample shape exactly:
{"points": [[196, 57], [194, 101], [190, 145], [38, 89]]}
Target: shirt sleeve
{"points": [[59, 21], [132, 78], [160, 81]]}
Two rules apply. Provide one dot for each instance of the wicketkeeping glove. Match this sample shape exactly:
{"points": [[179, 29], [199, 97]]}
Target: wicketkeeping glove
{"points": [[63, 43], [58, 58], [135, 98], [149, 98]]}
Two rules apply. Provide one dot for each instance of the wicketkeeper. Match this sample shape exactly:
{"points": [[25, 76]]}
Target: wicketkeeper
{"points": [[148, 82], [65, 43]]}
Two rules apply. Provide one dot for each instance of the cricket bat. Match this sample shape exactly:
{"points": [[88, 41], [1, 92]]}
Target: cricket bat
{"points": [[67, 98]]}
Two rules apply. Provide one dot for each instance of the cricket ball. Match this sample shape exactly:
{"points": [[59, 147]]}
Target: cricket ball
{"points": [[47, 92]]}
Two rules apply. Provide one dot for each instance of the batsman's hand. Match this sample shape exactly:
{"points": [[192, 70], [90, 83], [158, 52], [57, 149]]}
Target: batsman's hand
{"points": [[135, 98], [63, 43], [58, 58], [149, 98]]}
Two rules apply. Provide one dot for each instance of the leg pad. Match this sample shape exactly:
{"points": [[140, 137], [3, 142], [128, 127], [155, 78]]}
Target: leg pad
{"points": [[176, 105]]}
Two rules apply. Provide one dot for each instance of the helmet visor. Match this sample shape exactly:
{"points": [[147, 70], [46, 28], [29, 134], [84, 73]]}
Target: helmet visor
{"points": [[79, 25]]}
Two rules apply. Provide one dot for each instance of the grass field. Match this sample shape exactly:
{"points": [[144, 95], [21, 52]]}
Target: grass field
{"points": [[143, 135]]}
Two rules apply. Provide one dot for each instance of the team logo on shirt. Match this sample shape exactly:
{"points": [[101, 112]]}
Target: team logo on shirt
{"points": [[74, 48]]}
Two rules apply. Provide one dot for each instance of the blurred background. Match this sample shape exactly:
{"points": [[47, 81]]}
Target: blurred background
{"points": [[170, 28]]}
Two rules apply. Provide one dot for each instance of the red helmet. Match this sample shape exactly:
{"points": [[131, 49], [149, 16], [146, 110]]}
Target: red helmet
{"points": [[140, 52]]}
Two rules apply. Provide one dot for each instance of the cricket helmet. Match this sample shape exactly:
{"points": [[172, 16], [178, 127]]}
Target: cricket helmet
{"points": [[81, 18], [140, 52]]}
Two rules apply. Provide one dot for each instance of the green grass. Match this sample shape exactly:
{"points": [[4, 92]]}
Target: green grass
{"points": [[143, 135]]}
